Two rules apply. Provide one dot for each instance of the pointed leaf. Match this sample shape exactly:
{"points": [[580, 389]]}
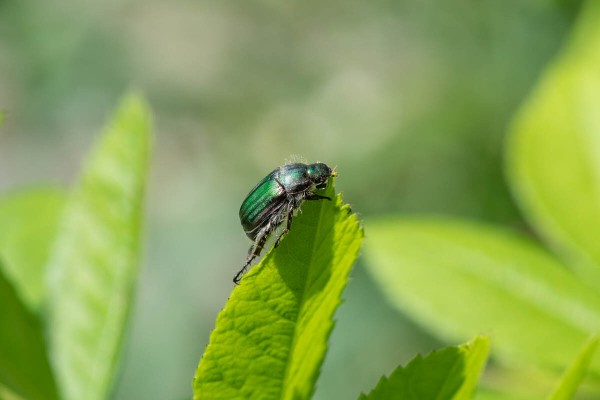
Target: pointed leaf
{"points": [[24, 367], [28, 223], [94, 267], [271, 337], [459, 279], [450, 373], [475, 354], [554, 149], [569, 383]]}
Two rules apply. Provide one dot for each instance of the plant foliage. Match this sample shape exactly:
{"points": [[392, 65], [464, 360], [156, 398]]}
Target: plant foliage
{"points": [[450, 373], [24, 367], [554, 150], [28, 225], [574, 375], [459, 278], [93, 268]]}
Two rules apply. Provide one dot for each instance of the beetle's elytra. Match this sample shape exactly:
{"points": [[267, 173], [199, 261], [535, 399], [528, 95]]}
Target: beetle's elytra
{"points": [[274, 199]]}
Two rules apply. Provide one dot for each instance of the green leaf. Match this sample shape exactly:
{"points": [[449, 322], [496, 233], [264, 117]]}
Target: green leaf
{"points": [[554, 149], [450, 373], [569, 383], [271, 337], [94, 267], [475, 357], [28, 223], [459, 279], [24, 367]]}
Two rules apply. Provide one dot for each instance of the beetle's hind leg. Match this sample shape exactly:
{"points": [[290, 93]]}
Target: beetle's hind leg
{"points": [[254, 251]]}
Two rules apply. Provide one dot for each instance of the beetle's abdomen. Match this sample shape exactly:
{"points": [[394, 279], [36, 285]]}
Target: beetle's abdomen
{"points": [[261, 203], [294, 178]]}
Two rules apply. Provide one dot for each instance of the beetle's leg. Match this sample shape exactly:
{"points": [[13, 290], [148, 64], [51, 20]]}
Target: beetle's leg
{"points": [[288, 225], [317, 197], [238, 276], [254, 251]]}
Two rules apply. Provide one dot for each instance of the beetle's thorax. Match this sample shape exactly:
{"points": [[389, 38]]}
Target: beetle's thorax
{"points": [[294, 178]]}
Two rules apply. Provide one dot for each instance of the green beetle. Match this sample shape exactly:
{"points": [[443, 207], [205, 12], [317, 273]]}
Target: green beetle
{"points": [[275, 198]]}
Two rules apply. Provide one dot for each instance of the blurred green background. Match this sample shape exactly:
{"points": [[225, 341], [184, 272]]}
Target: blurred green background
{"points": [[409, 99]]}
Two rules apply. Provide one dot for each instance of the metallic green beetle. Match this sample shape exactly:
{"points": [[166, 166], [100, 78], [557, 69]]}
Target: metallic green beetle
{"points": [[274, 199]]}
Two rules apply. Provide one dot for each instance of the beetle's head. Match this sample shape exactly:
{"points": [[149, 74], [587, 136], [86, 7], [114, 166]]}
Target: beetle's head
{"points": [[319, 173]]}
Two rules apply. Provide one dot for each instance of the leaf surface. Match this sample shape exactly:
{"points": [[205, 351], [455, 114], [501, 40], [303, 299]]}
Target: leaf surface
{"points": [[28, 224], [94, 266], [450, 373], [554, 150], [271, 338], [459, 279], [24, 367]]}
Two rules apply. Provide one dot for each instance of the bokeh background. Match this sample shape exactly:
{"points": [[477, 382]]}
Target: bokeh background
{"points": [[410, 100]]}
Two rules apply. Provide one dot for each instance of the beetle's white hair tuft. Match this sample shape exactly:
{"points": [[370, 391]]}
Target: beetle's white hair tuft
{"points": [[295, 158]]}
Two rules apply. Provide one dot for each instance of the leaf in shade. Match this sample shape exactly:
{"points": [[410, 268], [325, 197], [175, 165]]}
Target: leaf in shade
{"points": [[24, 368]]}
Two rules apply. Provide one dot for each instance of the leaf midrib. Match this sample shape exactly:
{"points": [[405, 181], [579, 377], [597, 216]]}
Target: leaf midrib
{"points": [[301, 303]]}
